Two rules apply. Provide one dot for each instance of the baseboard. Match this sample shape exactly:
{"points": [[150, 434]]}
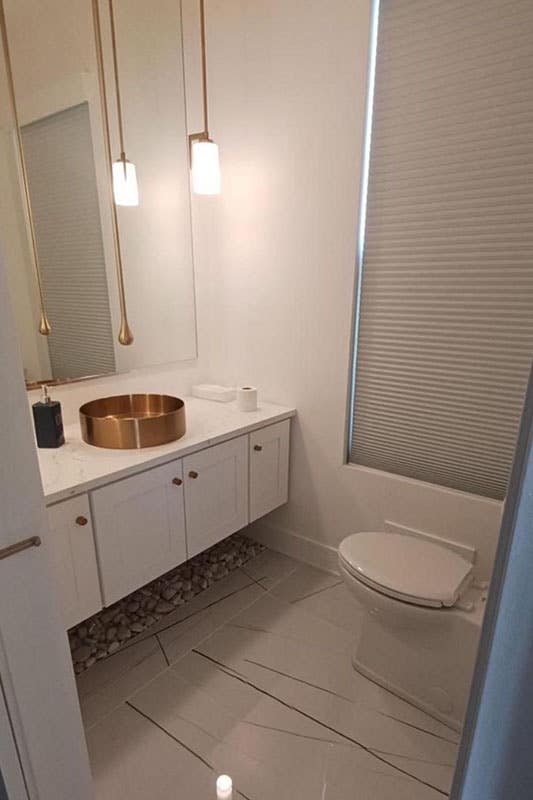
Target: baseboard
{"points": [[292, 544]]}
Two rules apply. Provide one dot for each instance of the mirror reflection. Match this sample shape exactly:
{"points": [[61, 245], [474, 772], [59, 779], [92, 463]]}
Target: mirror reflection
{"points": [[58, 101]]}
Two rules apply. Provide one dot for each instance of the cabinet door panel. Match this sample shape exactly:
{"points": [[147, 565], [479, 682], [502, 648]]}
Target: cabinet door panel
{"points": [[140, 529], [217, 499], [269, 468], [72, 558]]}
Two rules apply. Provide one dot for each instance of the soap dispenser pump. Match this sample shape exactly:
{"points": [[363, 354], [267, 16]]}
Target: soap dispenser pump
{"points": [[48, 421]]}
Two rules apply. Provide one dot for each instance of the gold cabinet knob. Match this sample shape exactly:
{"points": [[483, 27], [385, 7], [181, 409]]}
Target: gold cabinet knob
{"points": [[193, 474], [177, 481], [81, 521], [258, 447]]}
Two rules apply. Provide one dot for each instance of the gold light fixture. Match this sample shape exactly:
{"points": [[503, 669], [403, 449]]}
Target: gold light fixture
{"points": [[205, 164], [125, 189], [125, 336], [45, 329]]}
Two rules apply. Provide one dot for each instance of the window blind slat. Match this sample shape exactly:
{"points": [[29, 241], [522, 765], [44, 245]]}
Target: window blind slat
{"points": [[445, 328]]}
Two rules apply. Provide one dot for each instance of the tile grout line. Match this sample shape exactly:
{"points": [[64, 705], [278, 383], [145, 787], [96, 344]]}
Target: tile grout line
{"points": [[286, 636], [267, 577], [137, 640], [156, 636], [123, 673], [218, 627], [192, 578], [367, 749], [170, 664], [257, 580], [349, 700], [280, 580], [318, 591], [178, 741], [137, 689], [338, 743]]}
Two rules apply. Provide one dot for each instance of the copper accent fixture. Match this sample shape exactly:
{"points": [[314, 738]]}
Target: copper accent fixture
{"points": [[45, 329], [203, 152], [132, 421], [125, 190], [81, 521], [125, 335]]}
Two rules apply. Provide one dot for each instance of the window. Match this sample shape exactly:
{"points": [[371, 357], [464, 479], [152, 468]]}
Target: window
{"points": [[62, 181], [445, 306]]}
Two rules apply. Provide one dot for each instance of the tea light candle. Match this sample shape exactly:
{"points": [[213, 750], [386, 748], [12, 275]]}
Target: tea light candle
{"points": [[224, 787]]}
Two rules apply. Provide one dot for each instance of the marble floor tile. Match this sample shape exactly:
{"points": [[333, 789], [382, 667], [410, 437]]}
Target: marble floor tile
{"points": [[269, 748], [208, 612], [321, 594], [133, 759], [271, 615], [305, 582], [309, 663], [195, 718], [269, 567], [254, 678], [319, 685], [109, 682]]}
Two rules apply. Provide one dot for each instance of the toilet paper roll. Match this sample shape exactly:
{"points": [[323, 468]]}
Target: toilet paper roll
{"points": [[247, 398]]}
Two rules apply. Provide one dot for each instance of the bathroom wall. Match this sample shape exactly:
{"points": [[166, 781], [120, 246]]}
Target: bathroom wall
{"points": [[275, 263], [276, 258]]}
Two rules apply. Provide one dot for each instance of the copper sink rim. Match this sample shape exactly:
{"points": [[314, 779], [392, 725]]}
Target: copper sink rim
{"points": [[132, 421]]}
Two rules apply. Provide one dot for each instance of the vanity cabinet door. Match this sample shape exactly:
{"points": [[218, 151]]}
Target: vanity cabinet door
{"points": [[216, 493], [139, 528], [72, 556], [269, 468]]}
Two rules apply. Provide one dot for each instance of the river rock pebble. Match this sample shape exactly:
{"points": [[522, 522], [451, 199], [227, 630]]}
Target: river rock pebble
{"points": [[136, 627], [83, 653], [106, 632], [169, 592]]}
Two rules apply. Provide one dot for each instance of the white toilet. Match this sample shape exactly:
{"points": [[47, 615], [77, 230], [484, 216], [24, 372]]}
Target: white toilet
{"points": [[421, 619]]}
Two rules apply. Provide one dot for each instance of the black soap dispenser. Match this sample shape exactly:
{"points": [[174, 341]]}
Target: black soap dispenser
{"points": [[48, 421]]}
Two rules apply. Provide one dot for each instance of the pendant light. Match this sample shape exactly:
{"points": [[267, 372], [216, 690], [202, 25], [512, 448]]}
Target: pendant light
{"points": [[45, 329], [205, 165], [125, 189], [125, 335]]}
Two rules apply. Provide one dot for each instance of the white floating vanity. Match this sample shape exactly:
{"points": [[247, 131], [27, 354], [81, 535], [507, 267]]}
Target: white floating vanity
{"points": [[120, 518]]}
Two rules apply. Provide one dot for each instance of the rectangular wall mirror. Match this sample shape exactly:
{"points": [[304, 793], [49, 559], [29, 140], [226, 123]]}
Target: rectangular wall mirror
{"points": [[55, 77]]}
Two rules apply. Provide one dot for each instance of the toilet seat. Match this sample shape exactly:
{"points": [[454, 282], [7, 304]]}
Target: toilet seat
{"points": [[406, 568]]}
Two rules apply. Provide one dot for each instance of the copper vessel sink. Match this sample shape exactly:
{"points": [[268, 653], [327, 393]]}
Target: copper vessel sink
{"points": [[130, 421]]}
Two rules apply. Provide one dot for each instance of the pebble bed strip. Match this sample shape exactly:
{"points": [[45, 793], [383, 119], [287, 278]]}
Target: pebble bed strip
{"points": [[104, 633]]}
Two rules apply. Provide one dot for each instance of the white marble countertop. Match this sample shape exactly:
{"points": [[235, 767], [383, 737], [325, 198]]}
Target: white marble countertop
{"points": [[77, 467]]}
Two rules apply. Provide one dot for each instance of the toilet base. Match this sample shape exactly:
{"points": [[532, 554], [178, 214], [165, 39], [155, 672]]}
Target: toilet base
{"points": [[428, 665], [413, 699]]}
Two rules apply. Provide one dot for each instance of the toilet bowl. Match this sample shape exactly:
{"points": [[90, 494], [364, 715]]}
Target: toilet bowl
{"points": [[420, 619]]}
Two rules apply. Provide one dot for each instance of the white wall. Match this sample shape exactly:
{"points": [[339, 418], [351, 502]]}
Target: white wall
{"points": [[276, 254], [275, 259]]}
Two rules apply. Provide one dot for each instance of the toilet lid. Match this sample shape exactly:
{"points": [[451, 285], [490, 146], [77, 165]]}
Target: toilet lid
{"points": [[414, 570]]}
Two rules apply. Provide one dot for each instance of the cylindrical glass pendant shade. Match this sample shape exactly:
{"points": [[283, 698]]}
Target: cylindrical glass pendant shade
{"points": [[205, 167], [125, 189]]}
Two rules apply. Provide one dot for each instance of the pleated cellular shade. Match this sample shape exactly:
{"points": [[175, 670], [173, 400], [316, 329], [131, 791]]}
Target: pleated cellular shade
{"points": [[62, 181], [445, 325]]}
